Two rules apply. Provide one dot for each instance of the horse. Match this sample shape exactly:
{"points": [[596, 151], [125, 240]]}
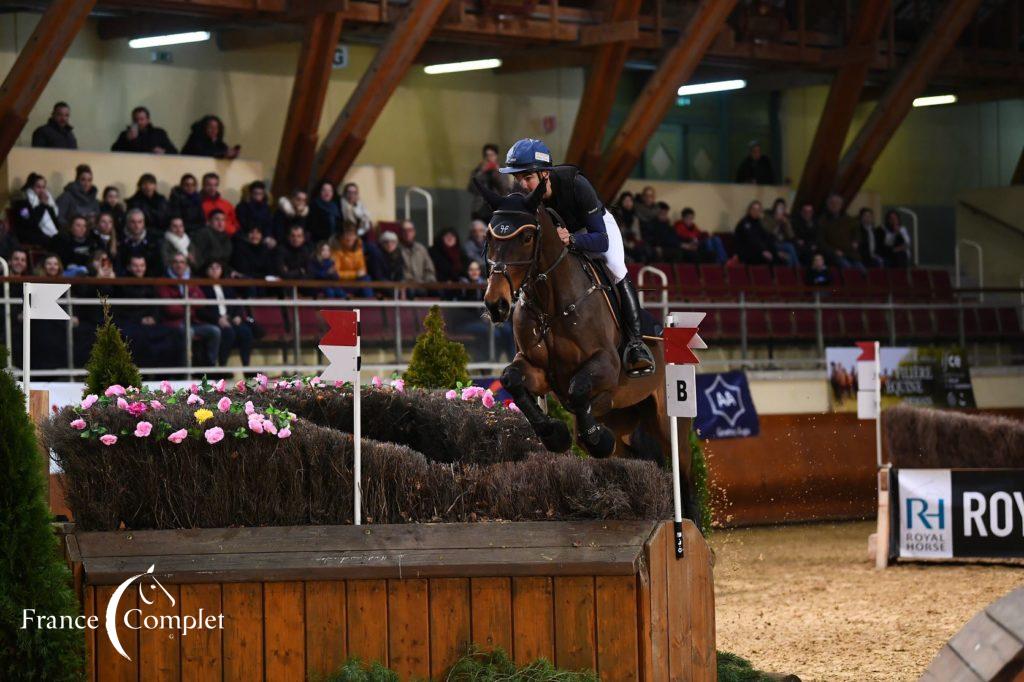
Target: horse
{"points": [[567, 339]]}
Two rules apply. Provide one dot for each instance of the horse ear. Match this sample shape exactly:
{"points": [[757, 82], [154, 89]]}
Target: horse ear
{"points": [[492, 198], [533, 201]]}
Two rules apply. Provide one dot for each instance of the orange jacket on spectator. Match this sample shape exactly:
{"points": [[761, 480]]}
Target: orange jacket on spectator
{"points": [[350, 263], [230, 219]]}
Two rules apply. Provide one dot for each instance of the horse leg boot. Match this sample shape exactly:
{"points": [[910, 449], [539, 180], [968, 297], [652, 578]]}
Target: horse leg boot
{"points": [[638, 360], [594, 436], [552, 432]]}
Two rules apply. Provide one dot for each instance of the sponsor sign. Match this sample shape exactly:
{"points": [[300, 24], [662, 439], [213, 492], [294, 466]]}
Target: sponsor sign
{"points": [[726, 409], [946, 513]]}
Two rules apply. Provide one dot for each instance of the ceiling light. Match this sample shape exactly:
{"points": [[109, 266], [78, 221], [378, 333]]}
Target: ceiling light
{"points": [[455, 67], [717, 86], [173, 39], [934, 100]]}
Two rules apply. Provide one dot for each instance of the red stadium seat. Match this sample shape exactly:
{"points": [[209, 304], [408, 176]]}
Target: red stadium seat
{"points": [[904, 326], [277, 334], [947, 324], [878, 283], [942, 287], [988, 323], [899, 283], [854, 286], [762, 282], [729, 323], [972, 325], [853, 323], [782, 322], [920, 284], [1009, 323], [877, 326], [831, 325], [757, 325], [374, 327], [805, 324], [688, 280], [790, 286], [713, 278], [924, 325], [739, 278], [633, 270]]}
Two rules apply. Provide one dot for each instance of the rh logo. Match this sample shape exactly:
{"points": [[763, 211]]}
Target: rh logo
{"points": [[918, 507]]}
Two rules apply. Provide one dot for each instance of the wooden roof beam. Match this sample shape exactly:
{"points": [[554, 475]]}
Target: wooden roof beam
{"points": [[294, 166], [843, 96], [35, 65], [896, 103], [659, 93], [389, 66]]}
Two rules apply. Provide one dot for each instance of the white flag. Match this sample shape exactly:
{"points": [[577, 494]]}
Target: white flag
{"points": [[42, 301], [342, 363], [691, 321]]}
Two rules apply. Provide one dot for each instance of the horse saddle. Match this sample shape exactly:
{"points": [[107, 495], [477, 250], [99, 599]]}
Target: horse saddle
{"points": [[598, 269]]}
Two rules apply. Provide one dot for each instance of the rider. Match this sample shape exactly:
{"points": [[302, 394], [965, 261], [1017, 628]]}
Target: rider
{"points": [[575, 199]]}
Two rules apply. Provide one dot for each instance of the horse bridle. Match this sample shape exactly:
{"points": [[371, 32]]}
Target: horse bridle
{"points": [[501, 267]]}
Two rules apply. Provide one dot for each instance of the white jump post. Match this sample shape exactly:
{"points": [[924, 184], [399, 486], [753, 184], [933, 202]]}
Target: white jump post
{"points": [[39, 302], [869, 406], [341, 346], [680, 336]]}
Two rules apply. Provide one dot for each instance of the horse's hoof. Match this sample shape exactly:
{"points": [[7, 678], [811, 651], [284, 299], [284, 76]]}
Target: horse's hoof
{"points": [[599, 443], [555, 435]]}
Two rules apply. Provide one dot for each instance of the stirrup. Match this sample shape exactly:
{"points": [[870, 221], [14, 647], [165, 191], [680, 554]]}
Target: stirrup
{"points": [[638, 373]]}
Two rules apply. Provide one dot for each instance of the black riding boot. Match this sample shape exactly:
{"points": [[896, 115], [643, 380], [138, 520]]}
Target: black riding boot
{"points": [[638, 358]]}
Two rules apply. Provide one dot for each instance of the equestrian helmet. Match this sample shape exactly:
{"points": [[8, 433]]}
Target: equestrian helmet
{"points": [[527, 155]]}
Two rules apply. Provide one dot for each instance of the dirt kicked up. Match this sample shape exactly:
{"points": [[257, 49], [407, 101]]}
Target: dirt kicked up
{"points": [[805, 600]]}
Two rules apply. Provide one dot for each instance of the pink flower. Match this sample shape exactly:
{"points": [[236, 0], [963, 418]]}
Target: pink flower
{"points": [[136, 409], [338, 383], [193, 399], [156, 404], [269, 427], [143, 429], [398, 385], [89, 401], [488, 400], [261, 379], [131, 390], [166, 387], [255, 423], [292, 416], [514, 407], [178, 436], [78, 424], [376, 382], [219, 386], [214, 435], [451, 395], [122, 404], [224, 404], [193, 388], [284, 433], [116, 389], [240, 386], [470, 392], [249, 408], [315, 381], [108, 439]]}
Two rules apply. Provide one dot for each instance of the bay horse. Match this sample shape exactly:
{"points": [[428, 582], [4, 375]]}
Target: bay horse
{"points": [[568, 340]]}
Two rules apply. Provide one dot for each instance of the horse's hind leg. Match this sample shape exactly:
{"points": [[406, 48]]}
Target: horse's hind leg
{"points": [[525, 383]]}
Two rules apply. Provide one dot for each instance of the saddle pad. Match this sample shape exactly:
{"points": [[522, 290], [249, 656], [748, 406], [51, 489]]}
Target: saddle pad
{"points": [[648, 325]]}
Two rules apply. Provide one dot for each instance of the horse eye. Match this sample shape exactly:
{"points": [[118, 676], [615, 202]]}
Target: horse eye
{"points": [[528, 237]]}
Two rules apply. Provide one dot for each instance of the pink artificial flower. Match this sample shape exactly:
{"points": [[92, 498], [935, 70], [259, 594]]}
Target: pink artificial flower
{"points": [[178, 436], [78, 424], [224, 404], [514, 407], [131, 390], [338, 383], [193, 399], [376, 382], [451, 395], [240, 386], [284, 433], [89, 401], [261, 379], [193, 388], [136, 409], [108, 439], [122, 404], [156, 404], [166, 387], [469, 392], [214, 435], [143, 429], [315, 381], [488, 400], [220, 386], [269, 427], [255, 423], [398, 385], [249, 407], [116, 389], [292, 416]]}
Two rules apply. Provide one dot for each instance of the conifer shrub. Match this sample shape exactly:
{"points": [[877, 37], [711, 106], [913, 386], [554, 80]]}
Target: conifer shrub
{"points": [[110, 361], [437, 361]]}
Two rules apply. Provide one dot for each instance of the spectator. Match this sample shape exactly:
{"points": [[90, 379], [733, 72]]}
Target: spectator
{"points": [[207, 139], [647, 208], [35, 216], [255, 211], [661, 240], [150, 342], [754, 245], [632, 237], [778, 225], [213, 201], [446, 253], [689, 233], [349, 260], [416, 263], [352, 210], [486, 173], [291, 210], [106, 234], [176, 241], [78, 198], [90, 315], [138, 242], [872, 239], [325, 214], [153, 205], [839, 234], [805, 230], [322, 267], [236, 327], [756, 168], [294, 255], [8, 242], [374, 259], [475, 246], [173, 316], [75, 247], [143, 137], [112, 206], [212, 242], [187, 204], [251, 256], [818, 274], [56, 133], [394, 263], [468, 321], [897, 241]]}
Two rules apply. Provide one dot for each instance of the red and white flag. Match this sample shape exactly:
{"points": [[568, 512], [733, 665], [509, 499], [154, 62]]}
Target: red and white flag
{"points": [[340, 345]]}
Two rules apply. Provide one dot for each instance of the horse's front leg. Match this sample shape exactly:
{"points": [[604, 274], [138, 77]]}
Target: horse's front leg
{"points": [[525, 382], [594, 381]]}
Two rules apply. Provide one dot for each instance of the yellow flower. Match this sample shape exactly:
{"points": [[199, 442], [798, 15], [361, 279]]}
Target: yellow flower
{"points": [[203, 414]]}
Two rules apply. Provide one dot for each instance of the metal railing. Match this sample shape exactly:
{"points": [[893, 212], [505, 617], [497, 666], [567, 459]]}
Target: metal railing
{"points": [[913, 232], [981, 264], [430, 209]]}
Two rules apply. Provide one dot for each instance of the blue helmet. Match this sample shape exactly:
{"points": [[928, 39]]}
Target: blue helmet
{"points": [[527, 155]]}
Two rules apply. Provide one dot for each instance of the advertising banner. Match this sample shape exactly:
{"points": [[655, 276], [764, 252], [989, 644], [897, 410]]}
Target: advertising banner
{"points": [[725, 408]]}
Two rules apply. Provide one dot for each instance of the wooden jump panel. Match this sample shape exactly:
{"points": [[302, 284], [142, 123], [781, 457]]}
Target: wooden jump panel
{"points": [[653, 623]]}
